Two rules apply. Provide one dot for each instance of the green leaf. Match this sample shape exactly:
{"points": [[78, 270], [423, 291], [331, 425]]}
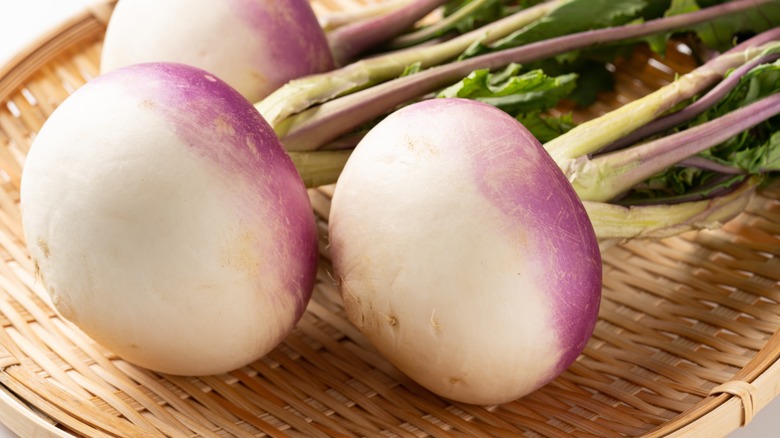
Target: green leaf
{"points": [[748, 150], [681, 7], [593, 78], [524, 95], [764, 158], [412, 69], [718, 34], [759, 82], [658, 42], [544, 127], [487, 13], [575, 16], [512, 91], [756, 151], [697, 185], [570, 17]]}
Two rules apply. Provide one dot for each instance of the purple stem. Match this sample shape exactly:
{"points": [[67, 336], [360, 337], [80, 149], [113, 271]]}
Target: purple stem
{"points": [[348, 41], [707, 164], [718, 186], [755, 41], [707, 101], [638, 163], [330, 120]]}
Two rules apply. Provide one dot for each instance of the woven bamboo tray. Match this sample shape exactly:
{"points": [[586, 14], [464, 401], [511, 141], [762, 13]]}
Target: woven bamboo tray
{"points": [[685, 343]]}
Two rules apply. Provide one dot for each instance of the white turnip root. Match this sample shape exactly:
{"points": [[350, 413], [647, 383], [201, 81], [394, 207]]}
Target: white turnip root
{"points": [[463, 253], [255, 46], [166, 221]]}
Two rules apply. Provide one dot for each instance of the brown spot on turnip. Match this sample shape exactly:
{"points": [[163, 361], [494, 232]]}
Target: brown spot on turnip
{"points": [[242, 254], [44, 246], [352, 305], [260, 79], [420, 147], [62, 306], [250, 144], [146, 104], [434, 322], [222, 125], [336, 280]]}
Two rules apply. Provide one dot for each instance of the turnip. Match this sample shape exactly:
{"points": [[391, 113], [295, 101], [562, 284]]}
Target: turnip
{"points": [[253, 45], [167, 222], [239, 41], [437, 210], [463, 253]]}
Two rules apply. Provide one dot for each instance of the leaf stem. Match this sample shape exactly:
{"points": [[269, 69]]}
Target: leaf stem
{"points": [[317, 126], [612, 221], [346, 42], [607, 176], [302, 93], [591, 136], [438, 28], [706, 163], [318, 168], [689, 112]]}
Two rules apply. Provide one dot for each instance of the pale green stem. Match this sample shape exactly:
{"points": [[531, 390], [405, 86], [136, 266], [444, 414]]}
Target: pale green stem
{"points": [[435, 29], [349, 41], [300, 94], [606, 176], [612, 221], [315, 127], [594, 134], [319, 168]]}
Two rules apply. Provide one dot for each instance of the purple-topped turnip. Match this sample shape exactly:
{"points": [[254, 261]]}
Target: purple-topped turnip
{"points": [[167, 222], [463, 253], [255, 46]]}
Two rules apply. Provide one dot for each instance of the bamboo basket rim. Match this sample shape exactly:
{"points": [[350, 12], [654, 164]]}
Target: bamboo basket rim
{"points": [[727, 407]]}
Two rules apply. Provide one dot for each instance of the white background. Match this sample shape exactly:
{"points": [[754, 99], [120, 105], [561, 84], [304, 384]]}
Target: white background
{"points": [[21, 21]]}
